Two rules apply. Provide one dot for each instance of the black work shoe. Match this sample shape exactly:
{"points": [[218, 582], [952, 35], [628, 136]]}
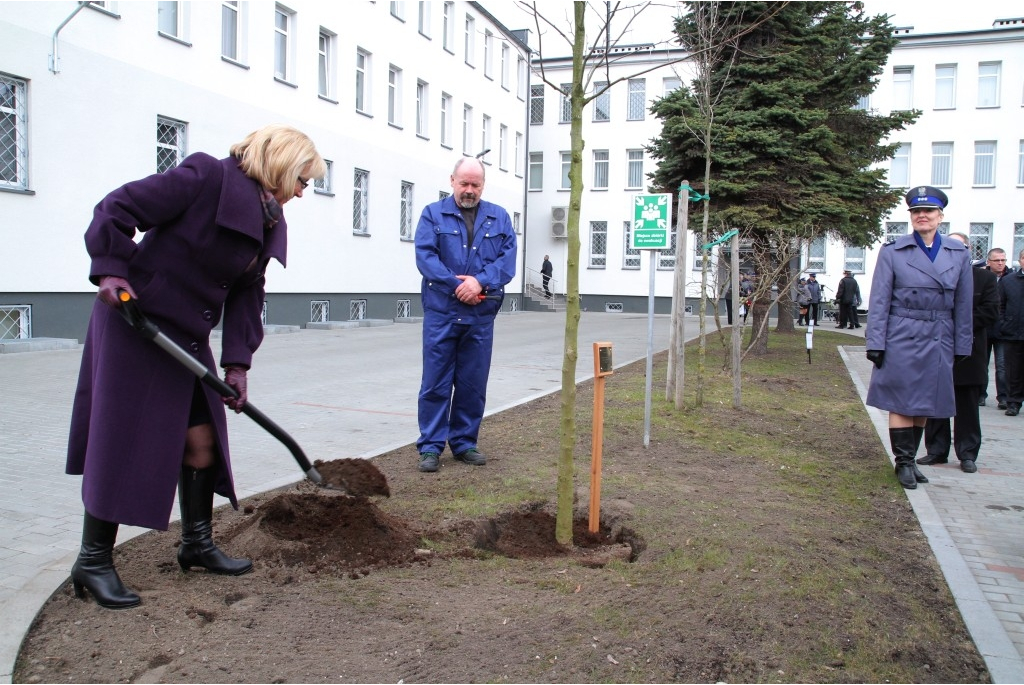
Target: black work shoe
{"points": [[932, 459], [472, 456], [429, 461], [967, 466], [1001, 405], [981, 402], [1012, 410]]}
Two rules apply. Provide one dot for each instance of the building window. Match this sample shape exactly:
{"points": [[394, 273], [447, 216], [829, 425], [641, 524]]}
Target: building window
{"points": [[404, 309], [981, 240], [282, 43], [448, 27], [566, 165], [229, 29], [942, 164], [363, 81], [565, 104], [669, 85], [894, 230], [325, 63], [422, 106], [485, 139], [424, 19], [903, 88], [602, 101], [467, 130], [319, 311], [522, 78], [503, 147], [634, 169], [518, 153], [14, 133], [394, 95], [636, 105], [488, 54], [15, 322], [398, 10], [600, 169], [630, 255], [988, 84], [985, 163], [816, 254], [443, 194], [899, 168], [863, 103], [537, 104], [945, 86], [405, 211], [361, 202], [170, 143], [325, 185], [446, 120], [854, 259], [506, 64], [667, 257], [356, 310], [598, 244], [1020, 164], [169, 19], [536, 181], [1018, 245], [470, 40]]}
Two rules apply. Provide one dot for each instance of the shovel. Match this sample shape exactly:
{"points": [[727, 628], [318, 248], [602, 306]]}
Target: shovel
{"points": [[136, 319]]}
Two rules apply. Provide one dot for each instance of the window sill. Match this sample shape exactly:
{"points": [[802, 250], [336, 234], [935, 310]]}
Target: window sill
{"points": [[17, 191], [406, 240], [422, 137], [234, 62], [534, 190], [599, 190], [174, 39], [364, 113], [361, 234], [394, 125], [283, 82], [327, 99], [596, 268], [446, 146], [326, 193]]}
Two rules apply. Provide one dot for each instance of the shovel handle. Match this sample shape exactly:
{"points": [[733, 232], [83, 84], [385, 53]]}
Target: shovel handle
{"points": [[136, 319]]}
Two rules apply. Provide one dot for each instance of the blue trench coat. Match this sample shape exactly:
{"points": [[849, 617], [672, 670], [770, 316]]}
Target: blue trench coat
{"points": [[204, 252], [920, 314]]}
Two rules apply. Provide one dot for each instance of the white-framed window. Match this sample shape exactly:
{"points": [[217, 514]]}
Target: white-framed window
{"points": [[422, 109], [1018, 245], [945, 86], [398, 10], [537, 104], [488, 54], [325, 185], [404, 308], [894, 230], [602, 102], [15, 321], [485, 138], [943, 228], [170, 143], [503, 147], [816, 254], [899, 168], [326, 83], [667, 257], [988, 83], [230, 23], [424, 19], [356, 310], [363, 81], [566, 164], [405, 211], [517, 219], [522, 77], [470, 40], [700, 256], [361, 202], [467, 130], [942, 164], [169, 19], [319, 311], [565, 104], [985, 163], [1020, 163], [981, 240], [283, 44], [634, 169], [600, 169], [506, 65], [14, 133], [448, 27], [853, 259], [446, 120], [630, 255], [394, 95], [636, 104], [536, 175], [863, 103], [669, 85], [598, 244], [518, 155], [902, 88]]}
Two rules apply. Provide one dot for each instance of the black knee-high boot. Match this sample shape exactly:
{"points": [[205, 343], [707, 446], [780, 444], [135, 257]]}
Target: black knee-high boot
{"points": [[195, 496], [94, 569], [902, 441], [918, 476]]}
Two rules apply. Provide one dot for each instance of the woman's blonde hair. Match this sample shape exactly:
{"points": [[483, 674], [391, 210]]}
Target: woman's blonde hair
{"points": [[276, 155]]}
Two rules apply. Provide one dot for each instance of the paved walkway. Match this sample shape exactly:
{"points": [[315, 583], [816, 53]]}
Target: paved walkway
{"points": [[350, 393]]}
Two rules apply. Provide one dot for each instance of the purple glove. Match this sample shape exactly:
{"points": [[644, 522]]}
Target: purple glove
{"points": [[235, 377], [109, 285]]}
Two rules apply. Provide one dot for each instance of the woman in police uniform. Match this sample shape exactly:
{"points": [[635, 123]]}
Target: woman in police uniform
{"points": [[919, 322]]}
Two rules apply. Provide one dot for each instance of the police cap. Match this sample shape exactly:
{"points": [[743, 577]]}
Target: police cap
{"points": [[926, 197]]}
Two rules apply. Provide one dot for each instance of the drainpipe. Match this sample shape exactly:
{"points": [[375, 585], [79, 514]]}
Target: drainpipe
{"points": [[54, 58]]}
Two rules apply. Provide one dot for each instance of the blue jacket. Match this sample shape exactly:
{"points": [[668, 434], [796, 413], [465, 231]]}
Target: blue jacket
{"points": [[442, 254]]}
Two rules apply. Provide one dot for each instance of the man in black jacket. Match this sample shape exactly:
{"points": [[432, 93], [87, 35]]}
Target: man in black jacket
{"points": [[997, 264], [1011, 333], [969, 376], [848, 299]]}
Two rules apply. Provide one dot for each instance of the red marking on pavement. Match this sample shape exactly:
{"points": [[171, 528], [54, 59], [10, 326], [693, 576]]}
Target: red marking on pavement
{"points": [[1018, 572], [359, 411]]}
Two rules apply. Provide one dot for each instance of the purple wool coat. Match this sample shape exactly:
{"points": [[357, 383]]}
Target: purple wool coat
{"points": [[920, 314], [203, 255]]}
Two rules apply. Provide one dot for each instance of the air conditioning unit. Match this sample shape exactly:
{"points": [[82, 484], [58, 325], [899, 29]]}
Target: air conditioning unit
{"points": [[559, 222]]}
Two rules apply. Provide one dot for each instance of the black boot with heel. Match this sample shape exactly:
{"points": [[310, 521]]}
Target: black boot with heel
{"points": [[918, 434], [195, 496], [94, 569], [902, 442]]}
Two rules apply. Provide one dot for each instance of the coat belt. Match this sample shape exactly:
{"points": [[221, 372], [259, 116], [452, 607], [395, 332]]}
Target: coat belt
{"points": [[921, 314]]}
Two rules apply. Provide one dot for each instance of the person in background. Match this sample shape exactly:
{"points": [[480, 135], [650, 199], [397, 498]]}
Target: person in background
{"points": [[746, 296], [141, 422], [466, 252], [1011, 334], [921, 322], [813, 308], [545, 271], [803, 302], [996, 263], [969, 376], [848, 299]]}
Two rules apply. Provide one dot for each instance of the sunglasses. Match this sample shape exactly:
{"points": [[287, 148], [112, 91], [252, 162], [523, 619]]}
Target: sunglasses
{"points": [[303, 182]]}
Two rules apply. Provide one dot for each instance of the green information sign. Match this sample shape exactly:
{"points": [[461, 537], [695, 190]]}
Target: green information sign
{"points": [[651, 216]]}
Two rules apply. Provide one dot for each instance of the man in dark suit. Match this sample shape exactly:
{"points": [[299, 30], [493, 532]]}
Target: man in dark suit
{"points": [[969, 376], [848, 299]]}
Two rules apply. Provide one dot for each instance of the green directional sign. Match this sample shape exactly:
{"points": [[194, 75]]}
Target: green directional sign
{"points": [[651, 217]]}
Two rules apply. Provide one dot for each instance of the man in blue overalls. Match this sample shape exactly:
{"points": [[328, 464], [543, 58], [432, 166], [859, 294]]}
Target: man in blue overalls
{"points": [[466, 252]]}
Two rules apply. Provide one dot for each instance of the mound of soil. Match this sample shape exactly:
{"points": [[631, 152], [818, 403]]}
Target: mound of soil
{"points": [[356, 477]]}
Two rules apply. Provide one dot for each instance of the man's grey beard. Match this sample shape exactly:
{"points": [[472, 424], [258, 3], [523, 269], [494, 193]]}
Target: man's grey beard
{"points": [[469, 203]]}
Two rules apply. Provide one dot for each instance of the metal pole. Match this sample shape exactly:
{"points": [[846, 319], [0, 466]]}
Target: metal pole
{"points": [[650, 354], [54, 59]]}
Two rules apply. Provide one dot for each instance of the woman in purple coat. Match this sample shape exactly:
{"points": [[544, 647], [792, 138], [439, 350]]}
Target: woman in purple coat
{"points": [[919, 322], [141, 422]]}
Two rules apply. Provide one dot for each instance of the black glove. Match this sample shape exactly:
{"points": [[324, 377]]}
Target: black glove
{"points": [[235, 377], [876, 357], [957, 358], [109, 285]]}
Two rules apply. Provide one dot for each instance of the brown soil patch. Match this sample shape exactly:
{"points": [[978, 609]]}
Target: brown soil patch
{"points": [[356, 477]]}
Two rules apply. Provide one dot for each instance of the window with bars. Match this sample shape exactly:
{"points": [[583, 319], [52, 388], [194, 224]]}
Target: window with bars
{"points": [[422, 109], [985, 163], [943, 228], [467, 130], [394, 95], [602, 102], [229, 24], [356, 310], [903, 88], [536, 181], [516, 219], [600, 169], [667, 257], [634, 169], [319, 311], [945, 86], [598, 244], [443, 194], [566, 165], [700, 256], [170, 143], [630, 255], [405, 211], [446, 120], [988, 84], [325, 185], [1018, 244], [404, 309], [282, 42], [325, 67], [899, 168], [448, 27], [361, 202], [636, 104], [15, 321], [980, 240], [942, 164], [537, 104], [362, 81], [565, 104], [853, 259], [895, 230], [13, 133], [816, 254]]}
